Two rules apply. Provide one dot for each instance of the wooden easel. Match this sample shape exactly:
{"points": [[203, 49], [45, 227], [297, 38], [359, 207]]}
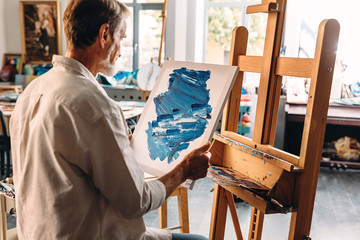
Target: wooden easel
{"points": [[163, 16], [291, 179]]}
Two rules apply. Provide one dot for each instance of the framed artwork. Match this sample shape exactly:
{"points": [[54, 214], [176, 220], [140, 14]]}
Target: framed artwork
{"points": [[40, 30], [13, 59], [12, 65], [181, 114]]}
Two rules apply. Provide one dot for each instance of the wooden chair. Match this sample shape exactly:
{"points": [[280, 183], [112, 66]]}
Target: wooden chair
{"points": [[291, 180], [7, 205], [182, 198], [183, 209]]}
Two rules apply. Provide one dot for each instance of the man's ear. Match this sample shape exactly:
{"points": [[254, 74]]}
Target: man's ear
{"points": [[104, 35]]}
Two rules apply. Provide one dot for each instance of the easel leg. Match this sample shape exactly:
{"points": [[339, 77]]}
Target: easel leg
{"points": [[183, 210], [234, 216], [143, 97], [218, 215], [256, 224], [163, 215], [296, 233]]}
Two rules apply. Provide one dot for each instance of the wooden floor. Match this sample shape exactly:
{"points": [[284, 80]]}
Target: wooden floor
{"points": [[336, 213]]}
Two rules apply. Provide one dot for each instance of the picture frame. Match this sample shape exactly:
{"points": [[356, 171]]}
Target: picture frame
{"points": [[40, 30], [14, 59]]}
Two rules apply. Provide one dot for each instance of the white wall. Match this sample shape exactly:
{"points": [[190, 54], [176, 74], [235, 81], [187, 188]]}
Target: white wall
{"points": [[195, 30], [2, 32], [12, 26], [184, 38], [176, 30]]}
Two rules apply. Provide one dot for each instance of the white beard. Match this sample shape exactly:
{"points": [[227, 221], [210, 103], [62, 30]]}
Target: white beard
{"points": [[110, 69]]}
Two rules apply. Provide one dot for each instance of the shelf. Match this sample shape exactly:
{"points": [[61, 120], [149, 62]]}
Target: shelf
{"points": [[342, 120], [337, 114], [340, 164]]}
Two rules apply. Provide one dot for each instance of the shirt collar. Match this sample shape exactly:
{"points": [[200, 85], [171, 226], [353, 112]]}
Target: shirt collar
{"points": [[74, 65]]}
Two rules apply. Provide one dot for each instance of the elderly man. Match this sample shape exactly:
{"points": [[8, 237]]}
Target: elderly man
{"points": [[75, 173]]}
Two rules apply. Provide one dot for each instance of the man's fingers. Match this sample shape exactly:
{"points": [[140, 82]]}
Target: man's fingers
{"points": [[203, 148]]}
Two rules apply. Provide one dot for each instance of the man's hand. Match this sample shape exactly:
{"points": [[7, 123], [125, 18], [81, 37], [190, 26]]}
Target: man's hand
{"points": [[194, 166], [196, 163]]}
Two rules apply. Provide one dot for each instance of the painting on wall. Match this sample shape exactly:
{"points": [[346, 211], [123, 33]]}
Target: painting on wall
{"points": [[12, 65], [40, 30], [181, 114]]}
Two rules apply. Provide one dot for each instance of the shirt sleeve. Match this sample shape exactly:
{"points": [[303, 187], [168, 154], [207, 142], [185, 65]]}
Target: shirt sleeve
{"points": [[102, 150]]}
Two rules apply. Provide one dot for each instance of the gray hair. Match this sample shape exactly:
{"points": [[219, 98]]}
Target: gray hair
{"points": [[83, 19]]}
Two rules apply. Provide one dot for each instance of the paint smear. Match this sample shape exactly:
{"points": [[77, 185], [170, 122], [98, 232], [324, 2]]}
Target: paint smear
{"points": [[183, 112]]}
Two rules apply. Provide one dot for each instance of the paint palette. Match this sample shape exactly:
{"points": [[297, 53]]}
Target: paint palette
{"points": [[181, 114], [230, 177]]}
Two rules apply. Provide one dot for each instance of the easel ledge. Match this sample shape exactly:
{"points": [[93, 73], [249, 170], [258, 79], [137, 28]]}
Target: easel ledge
{"points": [[264, 152]]}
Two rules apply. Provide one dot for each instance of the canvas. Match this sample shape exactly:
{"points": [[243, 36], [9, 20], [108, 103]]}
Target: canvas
{"points": [[181, 114]]}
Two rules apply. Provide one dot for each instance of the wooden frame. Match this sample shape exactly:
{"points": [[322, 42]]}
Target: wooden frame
{"points": [[17, 58], [40, 30], [291, 179]]}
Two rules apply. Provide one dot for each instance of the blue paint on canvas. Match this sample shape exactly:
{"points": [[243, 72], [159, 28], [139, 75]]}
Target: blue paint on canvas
{"points": [[183, 112]]}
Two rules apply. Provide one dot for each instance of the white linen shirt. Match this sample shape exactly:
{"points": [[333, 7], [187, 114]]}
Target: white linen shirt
{"points": [[75, 174]]}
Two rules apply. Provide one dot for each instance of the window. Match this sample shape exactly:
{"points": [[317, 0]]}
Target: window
{"points": [[143, 33], [221, 17]]}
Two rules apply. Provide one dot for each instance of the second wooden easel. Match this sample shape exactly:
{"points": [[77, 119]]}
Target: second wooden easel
{"points": [[291, 180]]}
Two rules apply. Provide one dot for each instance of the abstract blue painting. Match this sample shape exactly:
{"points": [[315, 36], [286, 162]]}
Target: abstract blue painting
{"points": [[182, 114]]}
